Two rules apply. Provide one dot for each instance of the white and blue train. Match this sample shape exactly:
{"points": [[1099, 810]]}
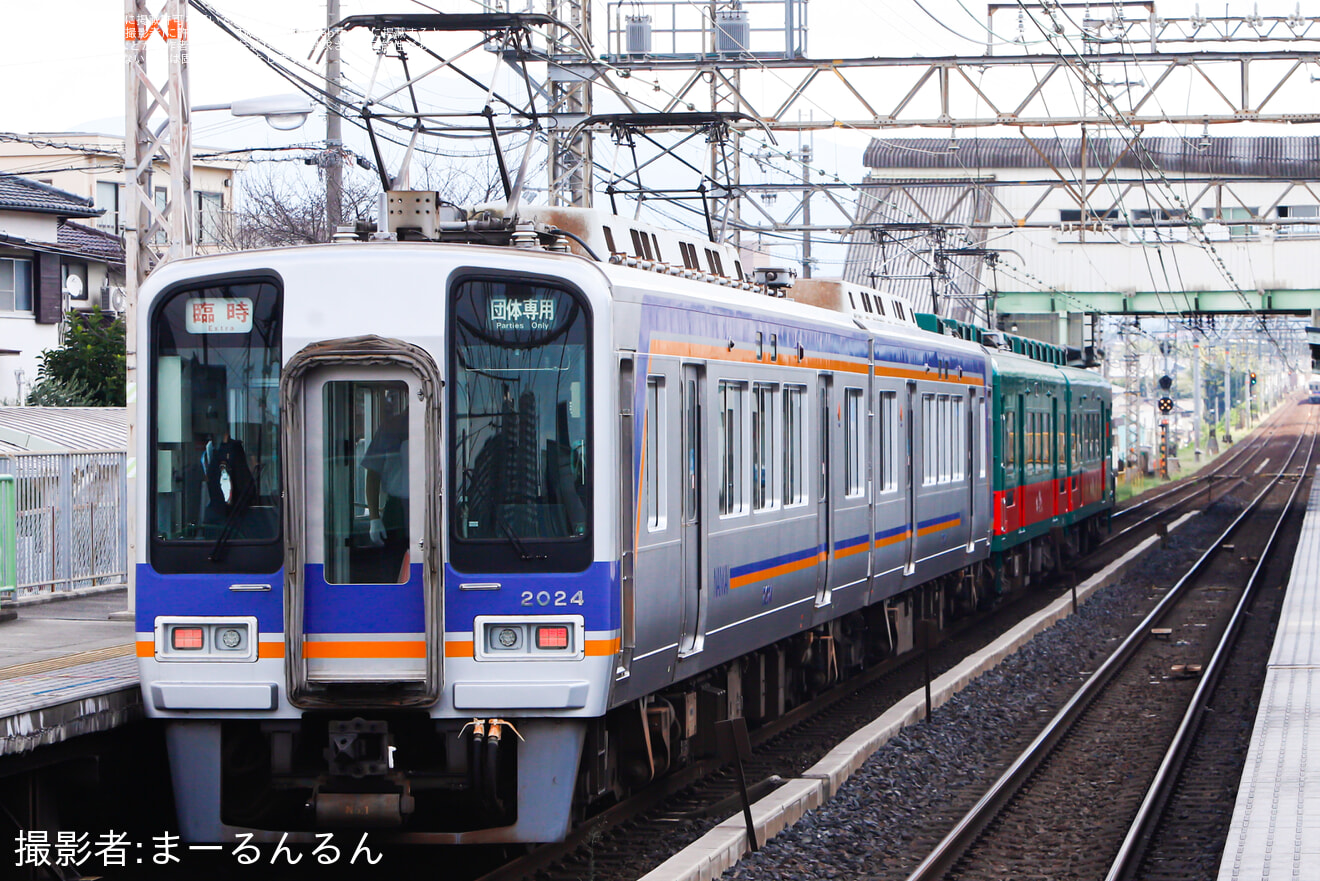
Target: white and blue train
{"points": [[463, 533]]}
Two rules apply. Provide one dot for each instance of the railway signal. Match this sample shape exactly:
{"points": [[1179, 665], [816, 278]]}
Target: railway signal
{"points": [[1166, 404]]}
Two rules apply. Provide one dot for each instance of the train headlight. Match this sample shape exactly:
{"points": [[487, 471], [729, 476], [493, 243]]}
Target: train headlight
{"points": [[187, 639], [199, 638], [555, 637], [530, 638]]}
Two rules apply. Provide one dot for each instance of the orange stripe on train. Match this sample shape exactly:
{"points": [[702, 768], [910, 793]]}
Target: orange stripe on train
{"points": [[363, 649]]}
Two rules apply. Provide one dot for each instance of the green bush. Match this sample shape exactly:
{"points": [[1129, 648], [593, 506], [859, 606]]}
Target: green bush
{"points": [[89, 369]]}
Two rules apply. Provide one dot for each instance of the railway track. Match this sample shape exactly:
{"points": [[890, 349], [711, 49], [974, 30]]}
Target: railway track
{"points": [[624, 843], [1224, 474], [1061, 809]]}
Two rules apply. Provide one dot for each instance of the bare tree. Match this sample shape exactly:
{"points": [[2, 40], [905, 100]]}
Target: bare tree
{"points": [[282, 205], [277, 209]]}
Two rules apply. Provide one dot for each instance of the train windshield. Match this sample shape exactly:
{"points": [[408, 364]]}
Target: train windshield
{"points": [[520, 411], [215, 373]]}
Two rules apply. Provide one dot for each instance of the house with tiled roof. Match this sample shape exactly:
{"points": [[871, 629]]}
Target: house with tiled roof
{"points": [[49, 263], [91, 165]]}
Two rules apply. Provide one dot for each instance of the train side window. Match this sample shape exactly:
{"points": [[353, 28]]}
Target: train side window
{"points": [[959, 444], [764, 497], [889, 435], [1029, 460], [654, 454], [929, 431], [365, 481], [1010, 440], [795, 447], [853, 439], [733, 461], [947, 438], [980, 427]]}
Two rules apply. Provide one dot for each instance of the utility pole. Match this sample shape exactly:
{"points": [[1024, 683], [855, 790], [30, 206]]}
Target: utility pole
{"points": [[1228, 393], [334, 139], [151, 232], [1196, 400], [804, 154], [1130, 394]]}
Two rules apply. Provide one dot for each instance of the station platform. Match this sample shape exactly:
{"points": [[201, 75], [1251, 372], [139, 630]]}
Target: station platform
{"points": [[66, 669], [1275, 831]]}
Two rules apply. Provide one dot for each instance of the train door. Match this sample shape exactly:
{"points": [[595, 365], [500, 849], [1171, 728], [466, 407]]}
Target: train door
{"points": [[364, 616], [824, 479], [1059, 459], [909, 479], [694, 569], [973, 457]]}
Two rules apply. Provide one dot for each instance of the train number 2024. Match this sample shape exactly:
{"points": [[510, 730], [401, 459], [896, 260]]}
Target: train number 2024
{"points": [[546, 598]]}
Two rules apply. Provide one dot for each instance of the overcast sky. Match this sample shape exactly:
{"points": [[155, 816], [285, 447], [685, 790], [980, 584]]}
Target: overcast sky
{"points": [[67, 55], [64, 60]]}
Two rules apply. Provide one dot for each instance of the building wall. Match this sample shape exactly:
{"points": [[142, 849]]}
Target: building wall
{"points": [[27, 225], [93, 158], [19, 331]]}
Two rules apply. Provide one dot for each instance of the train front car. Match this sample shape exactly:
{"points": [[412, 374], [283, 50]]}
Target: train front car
{"points": [[374, 586]]}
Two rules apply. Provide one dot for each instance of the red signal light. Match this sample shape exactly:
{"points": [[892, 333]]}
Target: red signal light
{"points": [[186, 638], [555, 637]]}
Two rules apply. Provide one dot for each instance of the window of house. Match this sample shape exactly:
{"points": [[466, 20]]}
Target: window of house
{"points": [[15, 285], [1299, 230], [1229, 213], [209, 211], [162, 200], [107, 199], [653, 479]]}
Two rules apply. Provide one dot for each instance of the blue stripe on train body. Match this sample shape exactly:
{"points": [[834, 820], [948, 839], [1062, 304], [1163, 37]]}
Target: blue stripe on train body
{"points": [[598, 585], [210, 594]]}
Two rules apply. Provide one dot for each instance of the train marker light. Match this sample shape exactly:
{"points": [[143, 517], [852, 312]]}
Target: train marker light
{"points": [[186, 638], [555, 637]]}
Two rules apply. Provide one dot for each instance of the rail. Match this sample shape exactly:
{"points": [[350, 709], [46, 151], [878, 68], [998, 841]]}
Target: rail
{"points": [[951, 848], [1128, 860]]}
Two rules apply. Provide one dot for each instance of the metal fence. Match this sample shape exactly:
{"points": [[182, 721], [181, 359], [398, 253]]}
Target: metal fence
{"points": [[70, 520]]}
